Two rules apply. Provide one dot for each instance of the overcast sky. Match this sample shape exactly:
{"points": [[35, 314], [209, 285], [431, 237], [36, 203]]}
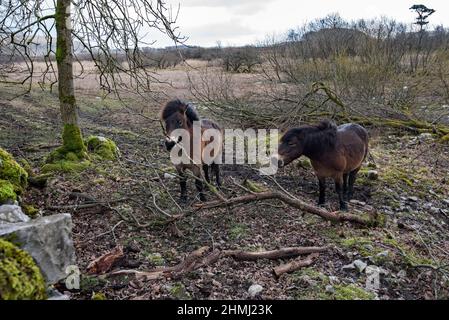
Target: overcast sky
{"points": [[239, 22]]}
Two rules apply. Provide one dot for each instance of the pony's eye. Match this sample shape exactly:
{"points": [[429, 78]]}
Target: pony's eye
{"points": [[291, 144], [179, 123]]}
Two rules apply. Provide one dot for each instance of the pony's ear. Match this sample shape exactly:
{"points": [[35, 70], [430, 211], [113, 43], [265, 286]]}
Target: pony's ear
{"points": [[183, 108], [327, 124]]}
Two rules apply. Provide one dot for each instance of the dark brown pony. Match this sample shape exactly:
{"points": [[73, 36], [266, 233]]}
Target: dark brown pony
{"points": [[180, 115], [336, 153]]}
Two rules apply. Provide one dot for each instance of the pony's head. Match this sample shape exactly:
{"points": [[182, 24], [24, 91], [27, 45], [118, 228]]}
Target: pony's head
{"points": [[177, 115]]}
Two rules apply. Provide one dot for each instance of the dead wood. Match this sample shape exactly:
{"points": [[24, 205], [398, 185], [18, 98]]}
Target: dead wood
{"points": [[294, 265], [274, 254], [301, 205], [198, 259]]}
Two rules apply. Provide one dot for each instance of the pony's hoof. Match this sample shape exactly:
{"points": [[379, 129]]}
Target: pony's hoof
{"points": [[343, 207], [203, 198], [183, 200]]}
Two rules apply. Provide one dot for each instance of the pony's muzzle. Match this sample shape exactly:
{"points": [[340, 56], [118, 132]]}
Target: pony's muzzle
{"points": [[169, 145], [170, 142], [277, 161]]}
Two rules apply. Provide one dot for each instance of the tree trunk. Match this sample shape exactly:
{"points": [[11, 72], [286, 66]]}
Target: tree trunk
{"points": [[72, 137]]}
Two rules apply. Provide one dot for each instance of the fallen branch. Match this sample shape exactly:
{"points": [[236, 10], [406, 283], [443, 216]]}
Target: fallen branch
{"points": [[294, 265], [331, 216], [274, 254], [199, 258]]}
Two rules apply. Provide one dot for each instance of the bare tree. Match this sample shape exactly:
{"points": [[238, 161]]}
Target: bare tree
{"points": [[112, 32]]}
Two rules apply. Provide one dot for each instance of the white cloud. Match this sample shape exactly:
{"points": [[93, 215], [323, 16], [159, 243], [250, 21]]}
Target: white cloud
{"points": [[241, 22]]}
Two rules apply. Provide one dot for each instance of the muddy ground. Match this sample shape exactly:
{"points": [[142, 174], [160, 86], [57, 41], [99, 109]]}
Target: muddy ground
{"points": [[411, 191]]}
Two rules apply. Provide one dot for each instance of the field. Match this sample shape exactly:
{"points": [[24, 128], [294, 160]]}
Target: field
{"points": [[137, 193]]}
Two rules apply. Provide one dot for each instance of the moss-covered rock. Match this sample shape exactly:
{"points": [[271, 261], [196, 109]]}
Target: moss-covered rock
{"points": [[103, 147], [66, 166], [7, 192], [445, 139], [30, 210], [352, 292], [20, 278], [254, 186], [99, 296], [11, 171]]}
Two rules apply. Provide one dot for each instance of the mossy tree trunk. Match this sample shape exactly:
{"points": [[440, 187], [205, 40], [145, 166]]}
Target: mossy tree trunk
{"points": [[72, 136]]}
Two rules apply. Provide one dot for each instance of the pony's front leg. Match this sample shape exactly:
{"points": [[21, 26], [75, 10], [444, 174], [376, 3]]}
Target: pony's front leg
{"points": [[199, 182], [206, 172], [339, 190], [182, 184], [216, 171], [322, 186]]}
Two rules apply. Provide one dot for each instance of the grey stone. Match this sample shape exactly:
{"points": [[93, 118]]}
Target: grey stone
{"points": [[402, 274], [434, 210], [383, 254], [373, 174], [255, 290], [334, 280], [330, 289], [56, 295], [360, 265], [349, 266], [413, 199], [425, 137], [169, 176], [48, 240], [12, 214]]}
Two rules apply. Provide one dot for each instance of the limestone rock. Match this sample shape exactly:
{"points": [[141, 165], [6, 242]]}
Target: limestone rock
{"points": [[48, 240]]}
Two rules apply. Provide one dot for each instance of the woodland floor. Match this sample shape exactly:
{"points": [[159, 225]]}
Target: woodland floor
{"points": [[412, 191]]}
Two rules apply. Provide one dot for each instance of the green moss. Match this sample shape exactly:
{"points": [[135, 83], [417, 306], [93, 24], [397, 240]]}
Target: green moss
{"points": [[238, 231], [30, 210], [90, 284], [351, 292], [409, 256], [7, 192], [66, 166], [73, 139], [395, 175], [11, 171], [103, 147], [178, 291], [98, 296], [363, 245], [304, 163], [156, 259], [20, 278], [254, 187], [445, 139]]}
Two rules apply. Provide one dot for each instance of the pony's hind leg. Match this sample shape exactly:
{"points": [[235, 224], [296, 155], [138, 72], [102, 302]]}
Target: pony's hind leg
{"points": [[183, 184], [322, 186], [345, 186], [339, 190], [206, 172], [216, 172], [199, 182], [351, 180]]}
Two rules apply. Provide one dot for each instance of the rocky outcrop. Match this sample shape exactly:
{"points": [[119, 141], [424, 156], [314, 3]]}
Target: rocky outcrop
{"points": [[12, 214], [48, 240]]}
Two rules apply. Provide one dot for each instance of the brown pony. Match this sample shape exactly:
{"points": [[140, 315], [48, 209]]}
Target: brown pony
{"points": [[334, 152], [180, 115]]}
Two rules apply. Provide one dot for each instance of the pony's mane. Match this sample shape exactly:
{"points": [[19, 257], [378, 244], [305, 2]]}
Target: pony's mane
{"points": [[321, 135], [180, 106]]}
